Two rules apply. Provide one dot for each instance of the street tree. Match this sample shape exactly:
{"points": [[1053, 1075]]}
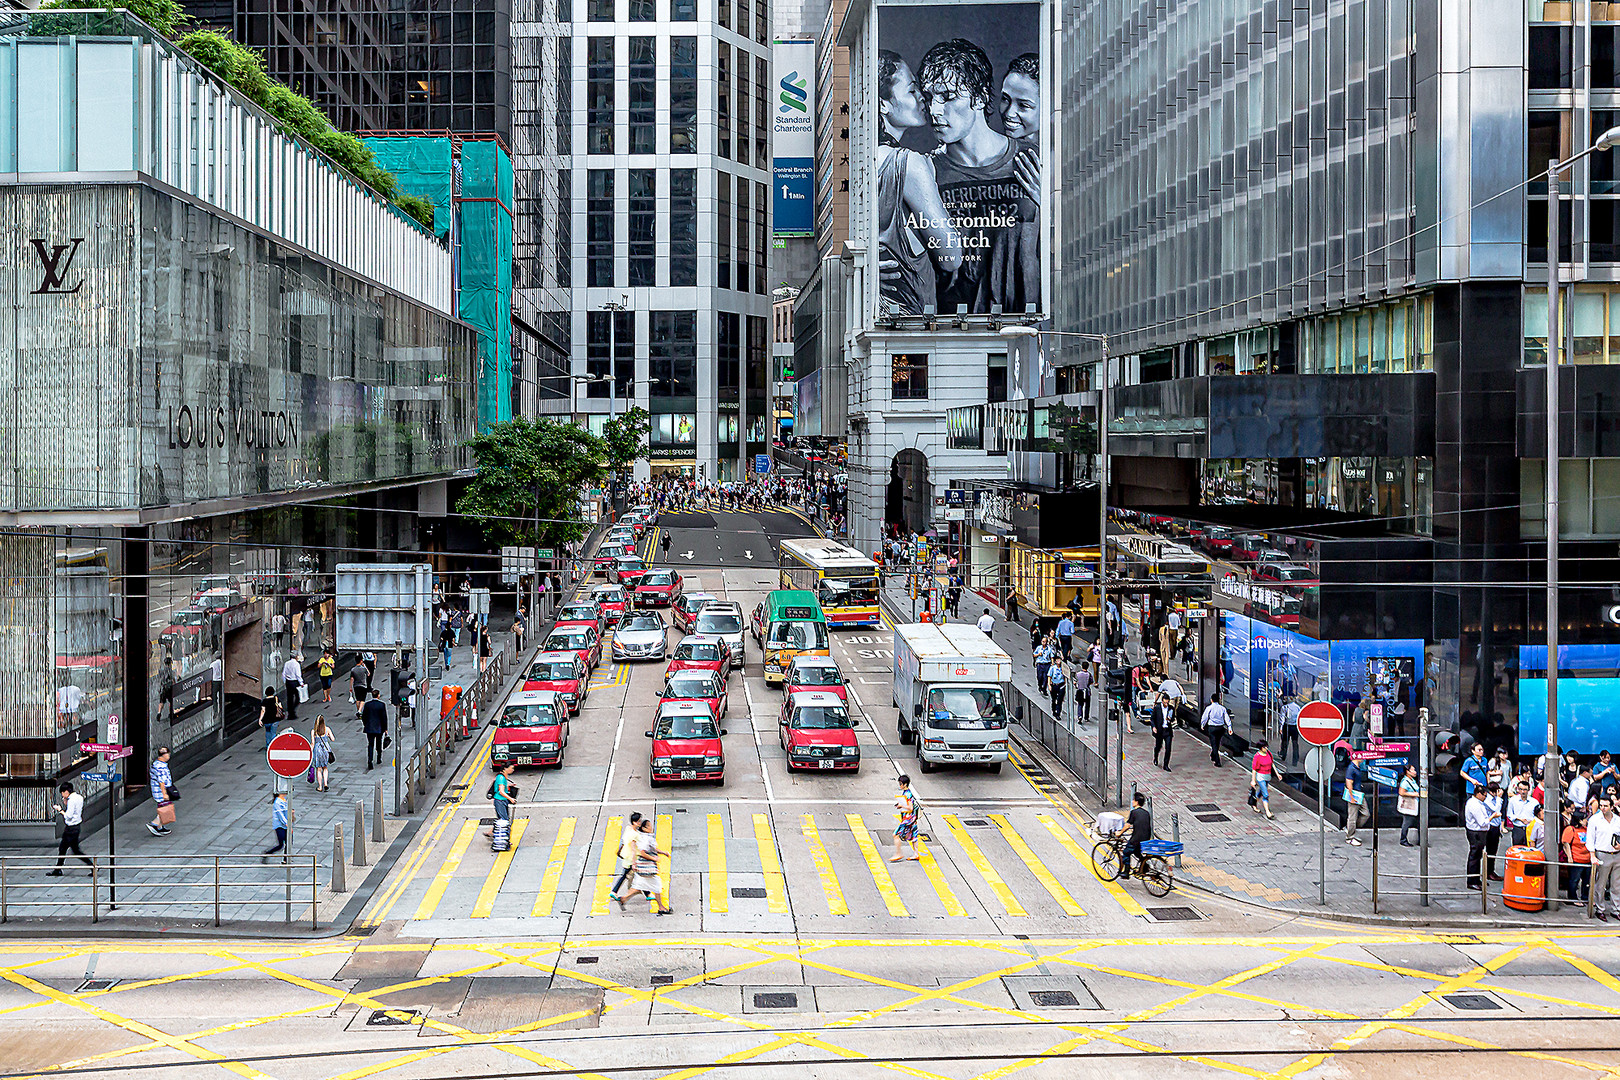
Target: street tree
{"points": [[532, 474]]}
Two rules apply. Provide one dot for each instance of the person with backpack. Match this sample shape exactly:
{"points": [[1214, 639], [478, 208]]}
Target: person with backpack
{"points": [[905, 833], [503, 793], [1058, 684], [269, 715]]}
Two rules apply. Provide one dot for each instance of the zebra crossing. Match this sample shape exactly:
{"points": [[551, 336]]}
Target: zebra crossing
{"points": [[771, 868]]}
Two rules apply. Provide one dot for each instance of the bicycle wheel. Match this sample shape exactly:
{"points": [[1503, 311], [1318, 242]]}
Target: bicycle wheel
{"points": [[1105, 857], [1156, 876]]}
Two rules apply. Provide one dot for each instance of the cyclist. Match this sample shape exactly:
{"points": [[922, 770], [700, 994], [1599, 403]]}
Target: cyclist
{"points": [[1140, 823]]}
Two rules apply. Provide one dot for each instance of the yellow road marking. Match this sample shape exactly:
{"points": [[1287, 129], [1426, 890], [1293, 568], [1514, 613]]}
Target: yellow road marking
{"points": [[666, 842], [936, 878], [132, 1026], [824, 868], [546, 899], [447, 870], [874, 863], [1036, 866], [982, 865], [1083, 857], [485, 905], [775, 883], [607, 866], [719, 886]]}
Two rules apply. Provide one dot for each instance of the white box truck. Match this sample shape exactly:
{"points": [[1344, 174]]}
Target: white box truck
{"points": [[950, 686]]}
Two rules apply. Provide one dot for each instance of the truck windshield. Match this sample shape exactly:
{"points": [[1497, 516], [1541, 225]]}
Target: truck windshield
{"points": [[797, 635], [966, 707]]}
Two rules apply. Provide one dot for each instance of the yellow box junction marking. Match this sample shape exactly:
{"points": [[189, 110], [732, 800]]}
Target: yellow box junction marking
{"points": [[719, 885], [447, 870], [936, 878], [546, 899], [824, 868], [607, 866], [1036, 867], [485, 905], [982, 865], [775, 883], [874, 863]]}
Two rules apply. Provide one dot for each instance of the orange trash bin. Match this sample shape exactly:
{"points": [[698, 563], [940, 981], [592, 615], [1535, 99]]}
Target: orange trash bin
{"points": [[447, 699], [1526, 886]]}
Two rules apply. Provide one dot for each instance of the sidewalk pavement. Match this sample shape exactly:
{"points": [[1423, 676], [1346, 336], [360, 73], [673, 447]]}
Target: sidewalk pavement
{"points": [[1235, 851]]}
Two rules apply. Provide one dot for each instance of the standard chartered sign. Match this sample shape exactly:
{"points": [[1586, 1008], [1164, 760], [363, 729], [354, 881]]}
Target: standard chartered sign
{"points": [[793, 139]]}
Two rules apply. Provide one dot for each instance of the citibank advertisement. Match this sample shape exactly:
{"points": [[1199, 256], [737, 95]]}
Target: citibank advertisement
{"points": [[960, 146], [793, 139]]}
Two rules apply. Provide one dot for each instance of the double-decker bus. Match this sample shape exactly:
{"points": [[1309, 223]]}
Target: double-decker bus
{"points": [[844, 580]]}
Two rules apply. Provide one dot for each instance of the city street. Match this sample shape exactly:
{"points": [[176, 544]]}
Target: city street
{"points": [[796, 948]]}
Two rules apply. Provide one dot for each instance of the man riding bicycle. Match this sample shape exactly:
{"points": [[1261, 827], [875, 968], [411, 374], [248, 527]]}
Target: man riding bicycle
{"points": [[1140, 823]]}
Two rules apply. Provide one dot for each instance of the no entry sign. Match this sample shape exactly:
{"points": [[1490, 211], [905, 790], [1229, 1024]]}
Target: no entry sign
{"points": [[289, 754], [1320, 723]]}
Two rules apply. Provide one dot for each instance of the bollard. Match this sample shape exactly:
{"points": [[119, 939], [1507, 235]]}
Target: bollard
{"points": [[359, 833], [1175, 833], [377, 817], [340, 881]]}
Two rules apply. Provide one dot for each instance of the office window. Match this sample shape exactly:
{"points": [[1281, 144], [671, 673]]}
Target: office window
{"points": [[599, 97], [756, 382], [683, 227], [565, 96], [683, 10], [673, 353], [730, 346], [624, 355], [1549, 56], [910, 376], [722, 266], [610, 348], [723, 97], [565, 228], [762, 111], [760, 244], [744, 230], [565, 10], [643, 226], [598, 351], [725, 13], [762, 25], [683, 94], [643, 96], [599, 10], [743, 111], [599, 218], [643, 11]]}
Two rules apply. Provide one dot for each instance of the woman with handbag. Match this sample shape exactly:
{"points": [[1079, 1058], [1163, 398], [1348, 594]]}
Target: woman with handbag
{"points": [[162, 784], [321, 756], [269, 715], [1260, 779]]}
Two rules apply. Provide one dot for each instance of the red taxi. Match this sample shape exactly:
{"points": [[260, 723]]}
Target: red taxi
{"points": [[608, 554], [531, 730], [658, 588], [703, 686], [614, 601], [687, 608], [818, 733], [686, 744], [583, 613], [628, 570], [698, 653], [582, 641], [562, 672], [818, 673]]}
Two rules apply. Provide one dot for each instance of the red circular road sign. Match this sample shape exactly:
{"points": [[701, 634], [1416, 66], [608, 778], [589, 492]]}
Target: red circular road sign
{"points": [[1320, 723], [289, 754]]}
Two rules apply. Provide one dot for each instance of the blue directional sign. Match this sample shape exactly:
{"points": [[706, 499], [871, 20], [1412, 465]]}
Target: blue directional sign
{"points": [[1382, 776], [1389, 762], [762, 463], [104, 777]]}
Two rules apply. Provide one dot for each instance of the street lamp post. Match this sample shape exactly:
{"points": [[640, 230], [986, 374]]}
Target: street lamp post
{"points": [[1551, 780]]}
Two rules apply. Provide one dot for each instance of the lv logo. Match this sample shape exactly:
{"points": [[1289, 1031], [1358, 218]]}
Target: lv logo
{"points": [[56, 263]]}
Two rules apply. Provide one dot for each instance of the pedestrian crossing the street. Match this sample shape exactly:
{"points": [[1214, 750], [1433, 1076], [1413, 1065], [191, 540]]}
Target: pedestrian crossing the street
{"points": [[740, 864]]}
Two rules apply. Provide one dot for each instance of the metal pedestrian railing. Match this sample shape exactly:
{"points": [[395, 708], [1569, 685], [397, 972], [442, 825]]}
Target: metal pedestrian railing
{"points": [[159, 881], [461, 722], [1061, 738]]}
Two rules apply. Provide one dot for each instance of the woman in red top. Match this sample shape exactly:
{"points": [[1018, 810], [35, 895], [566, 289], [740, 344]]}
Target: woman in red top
{"points": [[1260, 778]]}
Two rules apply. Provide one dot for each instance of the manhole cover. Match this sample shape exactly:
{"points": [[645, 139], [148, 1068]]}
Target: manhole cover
{"points": [[663, 980], [748, 893], [362, 931], [486, 821], [1472, 1002], [1202, 807], [585, 959], [1051, 999], [1212, 817], [776, 1001], [974, 821], [96, 984], [1174, 914], [394, 1018]]}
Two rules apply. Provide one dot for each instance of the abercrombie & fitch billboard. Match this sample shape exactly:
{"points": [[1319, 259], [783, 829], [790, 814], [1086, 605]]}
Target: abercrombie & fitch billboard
{"points": [[960, 153]]}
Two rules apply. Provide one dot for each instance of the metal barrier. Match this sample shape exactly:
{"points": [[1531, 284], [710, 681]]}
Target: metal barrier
{"points": [[216, 877], [1550, 872], [1061, 738], [435, 746]]}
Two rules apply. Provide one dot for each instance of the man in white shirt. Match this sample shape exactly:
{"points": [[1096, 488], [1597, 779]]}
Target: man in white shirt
{"points": [[1290, 730], [72, 811], [1580, 787], [68, 699], [1521, 812], [1216, 722], [1603, 841], [986, 623], [292, 677], [1477, 824]]}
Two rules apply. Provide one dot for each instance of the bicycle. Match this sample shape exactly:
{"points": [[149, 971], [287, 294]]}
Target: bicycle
{"points": [[1152, 865]]}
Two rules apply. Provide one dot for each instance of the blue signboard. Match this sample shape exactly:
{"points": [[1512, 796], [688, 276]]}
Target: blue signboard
{"points": [[762, 463], [1382, 776], [104, 777]]}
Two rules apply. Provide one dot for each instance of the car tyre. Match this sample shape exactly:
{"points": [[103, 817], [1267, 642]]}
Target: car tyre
{"points": [[907, 737], [923, 764]]}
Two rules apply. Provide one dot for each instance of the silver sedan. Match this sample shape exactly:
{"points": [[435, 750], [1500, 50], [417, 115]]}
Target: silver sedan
{"points": [[640, 637]]}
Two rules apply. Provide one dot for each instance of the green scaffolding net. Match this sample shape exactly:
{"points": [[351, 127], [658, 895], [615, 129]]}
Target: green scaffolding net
{"points": [[422, 164], [485, 295]]}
